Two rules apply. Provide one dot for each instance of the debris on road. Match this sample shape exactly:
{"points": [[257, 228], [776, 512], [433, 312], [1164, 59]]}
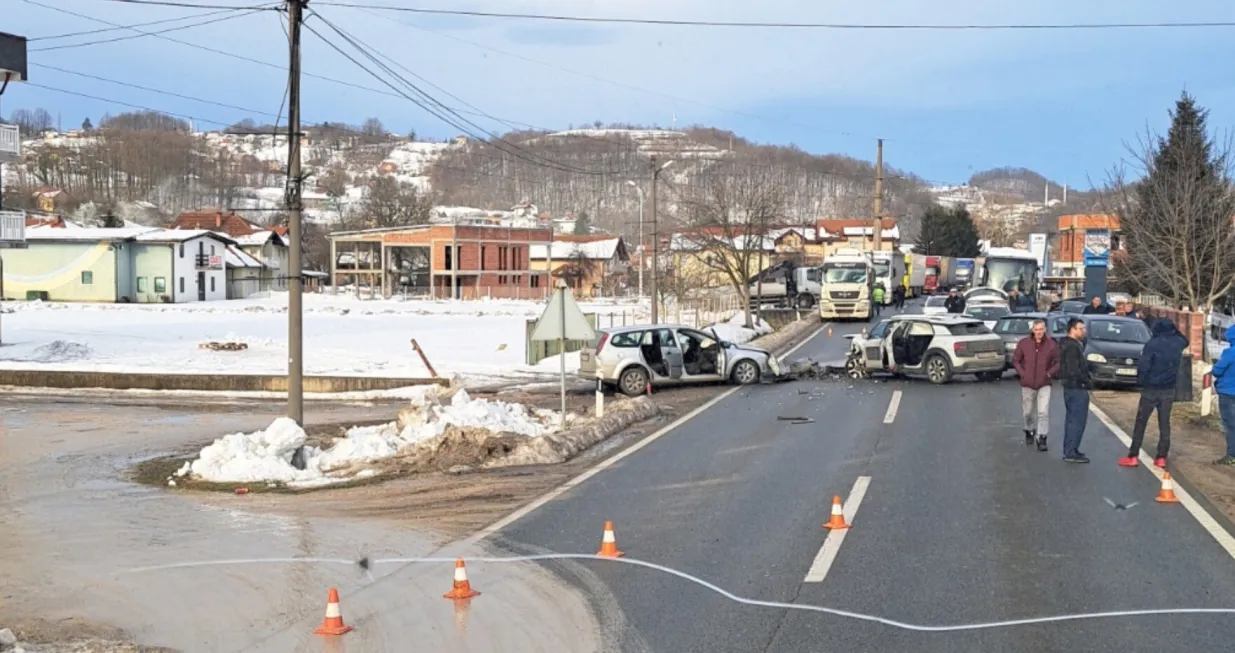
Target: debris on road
{"points": [[1120, 506], [224, 346]]}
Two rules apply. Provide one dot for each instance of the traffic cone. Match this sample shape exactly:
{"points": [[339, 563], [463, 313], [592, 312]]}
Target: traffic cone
{"points": [[462, 588], [838, 515], [608, 543], [829, 332], [333, 623], [1167, 493]]}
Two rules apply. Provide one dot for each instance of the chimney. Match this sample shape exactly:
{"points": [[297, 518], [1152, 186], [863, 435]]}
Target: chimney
{"points": [[218, 220]]}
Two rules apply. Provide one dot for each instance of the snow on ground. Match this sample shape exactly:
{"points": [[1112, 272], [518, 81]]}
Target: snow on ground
{"points": [[266, 455], [735, 331], [343, 336]]}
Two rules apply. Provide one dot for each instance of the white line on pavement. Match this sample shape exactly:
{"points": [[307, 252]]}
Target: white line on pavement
{"points": [[613, 460], [831, 544], [1202, 516], [890, 416]]}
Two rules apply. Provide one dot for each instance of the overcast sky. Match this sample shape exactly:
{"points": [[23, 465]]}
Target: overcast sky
{"points": [[948, 103]]}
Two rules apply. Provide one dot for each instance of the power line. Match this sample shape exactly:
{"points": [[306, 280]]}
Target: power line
{"points": [[171, 3], [126, 104], [777, 25], [154, 90], [112, 29], [231, 16]]}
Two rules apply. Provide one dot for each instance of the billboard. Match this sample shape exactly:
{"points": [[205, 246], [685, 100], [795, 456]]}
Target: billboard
{"points": [[1097, 248], [1037, 247]]}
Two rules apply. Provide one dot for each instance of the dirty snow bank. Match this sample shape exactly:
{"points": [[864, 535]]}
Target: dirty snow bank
{"points": [[266, 455], [734, 329]]}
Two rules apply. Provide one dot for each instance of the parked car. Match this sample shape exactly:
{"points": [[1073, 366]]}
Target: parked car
{"points": [[1113, 345], [988, 312], [1075, 305], [1014, 327], [935, 346], [935, 305], [631, 357]]}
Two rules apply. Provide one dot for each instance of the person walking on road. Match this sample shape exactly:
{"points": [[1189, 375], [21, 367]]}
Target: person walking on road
{"points": [[1157, 372], [1036, 360], [1224, 382], [1074, 377], [898, 297], [1097, 307], [954, 303], [877, 295]]}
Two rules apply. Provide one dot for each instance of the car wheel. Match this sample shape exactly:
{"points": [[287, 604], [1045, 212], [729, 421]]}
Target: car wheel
{"points": [[633, 382], [806, 300], [938, 370], [854, 369], [989, 376], [745, 372]]}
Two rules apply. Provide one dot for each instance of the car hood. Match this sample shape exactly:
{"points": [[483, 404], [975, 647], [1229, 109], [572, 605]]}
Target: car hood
{"points": [[750, 348], [1114, 349]]}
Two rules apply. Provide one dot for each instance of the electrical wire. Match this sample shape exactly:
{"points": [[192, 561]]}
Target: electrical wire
{"points": [[134, 25], [171, 3], [149, 89], [776, 25], [231, 16], [364, 564], [126, 104]]}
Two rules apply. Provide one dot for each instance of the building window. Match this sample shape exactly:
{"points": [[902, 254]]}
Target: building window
{"points": [[181, 284], [160, 285], [211, 284], [450, 260], [87, 277], [535, 280], [484, 251], [141, 284], [181, 250]]}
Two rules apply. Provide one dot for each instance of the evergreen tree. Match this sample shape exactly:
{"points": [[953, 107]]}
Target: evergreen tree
{"points": [[948, 232], [86, 125], [932, 232], [583, 223], [962, 234]]}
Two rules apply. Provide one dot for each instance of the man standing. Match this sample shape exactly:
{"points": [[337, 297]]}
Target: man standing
{"points": [[898, 297], [1036, 360], [877, 295], [1224, 382], [1074, 376], [1097, 307], [1157, 373], [954, 303]]}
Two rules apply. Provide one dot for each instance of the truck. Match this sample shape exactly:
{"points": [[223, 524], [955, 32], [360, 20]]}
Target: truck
{"points": [[1005, 268], [964, 271], [915, 275], [940, 274], [848, 278], [786, 285], [889, 271]]}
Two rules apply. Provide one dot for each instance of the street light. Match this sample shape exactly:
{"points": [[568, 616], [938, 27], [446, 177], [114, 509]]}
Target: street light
{"points": [[639, 249], [656, 170]]}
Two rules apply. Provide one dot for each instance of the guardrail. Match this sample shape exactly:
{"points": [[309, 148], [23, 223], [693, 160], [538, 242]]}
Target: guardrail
{"points": [[10, 141], [12, 226]]}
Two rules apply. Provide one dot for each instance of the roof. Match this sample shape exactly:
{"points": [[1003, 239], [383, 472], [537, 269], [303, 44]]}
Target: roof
{"points": [[234, 257], [258, 238], [134, 234], [179, 235], [226, 222], [596, 249]]}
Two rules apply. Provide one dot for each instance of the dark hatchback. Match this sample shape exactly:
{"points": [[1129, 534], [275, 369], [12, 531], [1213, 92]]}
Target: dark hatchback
{"points": [[1113, 345]]}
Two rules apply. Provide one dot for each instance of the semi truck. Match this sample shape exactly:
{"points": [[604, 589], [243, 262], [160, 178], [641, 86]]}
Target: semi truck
{"points": [[964, 271], [889, 270], [786, 285], [848, 277], [915, 275], [940, 274]]}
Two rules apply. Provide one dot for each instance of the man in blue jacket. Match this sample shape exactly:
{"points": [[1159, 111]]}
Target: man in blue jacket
{"points": [[1157, 372], [1224, 382]]}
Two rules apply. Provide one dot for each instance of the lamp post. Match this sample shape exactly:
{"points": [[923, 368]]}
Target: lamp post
{"points": [[639, 249], [656, 170]]}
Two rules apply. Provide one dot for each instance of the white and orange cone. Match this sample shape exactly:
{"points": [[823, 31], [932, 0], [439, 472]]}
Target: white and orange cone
{"points": [[608, 543], [838, 515], [462, 589], [1167, 493], [333, 623]]}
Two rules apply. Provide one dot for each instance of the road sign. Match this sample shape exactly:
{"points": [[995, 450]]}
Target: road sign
{"points": [[562, 320]]}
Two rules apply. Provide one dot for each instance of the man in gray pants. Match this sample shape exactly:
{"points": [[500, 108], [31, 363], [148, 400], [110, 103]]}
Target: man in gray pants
{"points": [[1036, 360]]}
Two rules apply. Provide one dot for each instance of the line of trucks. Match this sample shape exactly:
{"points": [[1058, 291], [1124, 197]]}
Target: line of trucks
{"points": [[843, 285]]}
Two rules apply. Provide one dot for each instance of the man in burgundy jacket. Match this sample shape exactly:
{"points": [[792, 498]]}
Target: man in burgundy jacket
{"points": [[1036, 360]]}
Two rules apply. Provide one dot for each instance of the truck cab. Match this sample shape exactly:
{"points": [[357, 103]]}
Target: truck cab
{"points": [[847, 281]]}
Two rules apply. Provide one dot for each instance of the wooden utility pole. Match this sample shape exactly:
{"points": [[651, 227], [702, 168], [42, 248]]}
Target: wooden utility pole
{"points": [[877, 219], [295, 205], [655, 247]]}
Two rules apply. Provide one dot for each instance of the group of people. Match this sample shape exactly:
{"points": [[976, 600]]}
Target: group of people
{"points": [[880, 294], [1038, 361]]}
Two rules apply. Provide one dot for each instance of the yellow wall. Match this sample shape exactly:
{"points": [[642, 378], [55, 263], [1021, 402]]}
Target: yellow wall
{"points": [[594, 279], [57, 269], [693, 265]]}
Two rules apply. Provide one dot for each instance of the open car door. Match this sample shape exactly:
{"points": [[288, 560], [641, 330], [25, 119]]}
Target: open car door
{"points": [[671, 351]]}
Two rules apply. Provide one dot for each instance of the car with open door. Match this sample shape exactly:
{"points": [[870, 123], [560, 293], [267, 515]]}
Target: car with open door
{"points": [[935, 346], [633, 357]]}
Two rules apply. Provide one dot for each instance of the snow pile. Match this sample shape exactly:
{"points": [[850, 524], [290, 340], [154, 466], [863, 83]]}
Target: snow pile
{"points": [[266, 455], [734, 330], [61, 351]]}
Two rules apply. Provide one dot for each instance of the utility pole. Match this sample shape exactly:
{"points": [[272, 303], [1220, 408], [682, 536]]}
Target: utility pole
{"points": [[877, 219], [655, 248], [295, 315]]}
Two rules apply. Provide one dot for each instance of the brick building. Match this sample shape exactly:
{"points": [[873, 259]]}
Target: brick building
{"points": [[1068, 259], [476, 260]]}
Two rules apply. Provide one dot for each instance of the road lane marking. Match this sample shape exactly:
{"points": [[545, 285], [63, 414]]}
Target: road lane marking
{"points": [[890, 416], [615, 459], [1202, 516], [831, 544]]}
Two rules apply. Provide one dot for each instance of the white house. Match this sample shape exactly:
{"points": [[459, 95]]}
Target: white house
{"points": [[269, 248]]}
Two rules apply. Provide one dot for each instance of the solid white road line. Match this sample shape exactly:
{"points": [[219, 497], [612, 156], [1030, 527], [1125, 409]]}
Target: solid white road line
{"points": [[1202, 516], [890, 416], [615, 459], [831, 544]]}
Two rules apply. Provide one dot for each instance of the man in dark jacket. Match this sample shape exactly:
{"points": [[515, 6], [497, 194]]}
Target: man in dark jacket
{"points": [[1036, 360], [1074, 377], [1157, 373], [1097, 307], [954, 303]]}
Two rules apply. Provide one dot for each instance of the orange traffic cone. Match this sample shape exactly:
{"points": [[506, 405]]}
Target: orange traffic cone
{"points": [[838, 515], [1167, 493], [462, 588], [333, 623], [608, 543], [829, 332]]}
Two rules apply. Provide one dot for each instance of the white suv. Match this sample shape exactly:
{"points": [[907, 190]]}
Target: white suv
{"points": [[935, 346]]}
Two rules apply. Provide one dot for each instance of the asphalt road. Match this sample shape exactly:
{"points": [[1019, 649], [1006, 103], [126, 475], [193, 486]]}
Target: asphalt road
{"points": [[960, 524]]}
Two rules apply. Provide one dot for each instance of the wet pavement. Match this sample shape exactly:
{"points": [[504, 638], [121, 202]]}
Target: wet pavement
{"points": [[73, 527]]}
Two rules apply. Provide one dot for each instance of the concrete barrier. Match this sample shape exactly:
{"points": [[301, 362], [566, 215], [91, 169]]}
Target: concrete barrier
{"points": [[202, 382]]}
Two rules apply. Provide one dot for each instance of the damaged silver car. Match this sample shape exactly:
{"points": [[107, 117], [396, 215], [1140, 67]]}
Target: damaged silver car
{"points": [[935, 346]]}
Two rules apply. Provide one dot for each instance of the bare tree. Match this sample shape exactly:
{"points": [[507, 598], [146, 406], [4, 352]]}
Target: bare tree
{"points": [[728, 221], [32, 122], [389, 202], [576, 270], [334, 183], [373, 131], [1177, 218]]}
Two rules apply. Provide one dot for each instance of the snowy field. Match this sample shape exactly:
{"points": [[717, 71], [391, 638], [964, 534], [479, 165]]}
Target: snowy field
{"points": [[343, 336]]}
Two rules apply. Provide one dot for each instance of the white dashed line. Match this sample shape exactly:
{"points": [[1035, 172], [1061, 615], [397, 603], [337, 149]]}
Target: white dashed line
{"points": [[890, 416], [831, 544]]}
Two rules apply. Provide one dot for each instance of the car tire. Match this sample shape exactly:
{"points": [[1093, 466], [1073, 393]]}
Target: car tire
{"points": [[854, 369], [988, 377], [633, 382], [745, 372], [938, 369], [806, 301]]}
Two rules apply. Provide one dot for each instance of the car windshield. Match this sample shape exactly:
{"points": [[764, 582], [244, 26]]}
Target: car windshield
{"points": [[844, 273], [1019, 326], [883, 267], [1008, 273], [1130, 331], [987, 312], [1073, 307], [936, 300]]}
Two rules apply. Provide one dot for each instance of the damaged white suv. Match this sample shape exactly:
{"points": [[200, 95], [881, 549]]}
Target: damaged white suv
{"points": [[935, 346]]}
